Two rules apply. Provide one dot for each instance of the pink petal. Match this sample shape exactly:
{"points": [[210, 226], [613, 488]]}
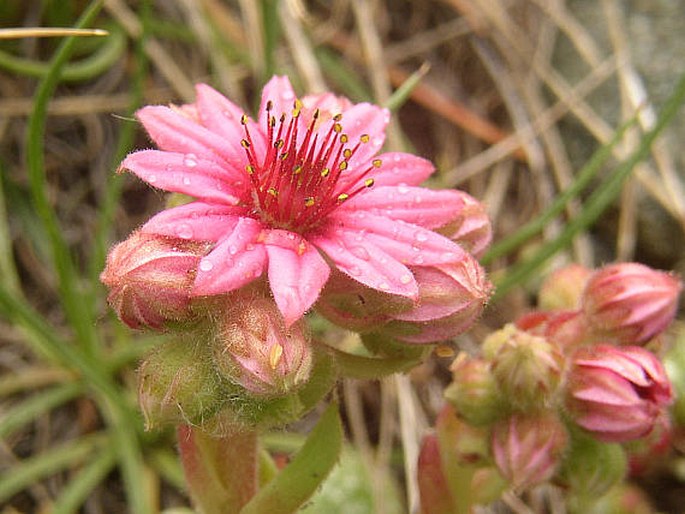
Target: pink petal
{"points": [[237, 260], [189, 174], [280, 93], [407, 243], [223, 117], [401, 169], [418, 205], [176, 132], [196, 220], [296, 277], [364, 119], [366, 263]]}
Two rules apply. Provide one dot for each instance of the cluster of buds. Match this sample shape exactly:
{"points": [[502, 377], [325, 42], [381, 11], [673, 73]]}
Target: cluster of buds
{"points": [[572, 393]]}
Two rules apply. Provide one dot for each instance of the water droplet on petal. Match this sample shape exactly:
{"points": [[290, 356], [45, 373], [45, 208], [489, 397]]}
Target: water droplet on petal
{"points": [[406, 279], [184, 231], [419, 259], [249, 247], [361, 252], [397, 158], [186, 181], [418, 199], [190, 160], [206, 265], [355, 271], [377, 141], [421, 236], [383, 285], [290, 236], [233, 249], [449, 256], [152, 179], [402, 189]]}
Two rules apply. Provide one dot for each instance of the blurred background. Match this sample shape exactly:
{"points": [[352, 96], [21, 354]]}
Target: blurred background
{"points": [[509, 99]]}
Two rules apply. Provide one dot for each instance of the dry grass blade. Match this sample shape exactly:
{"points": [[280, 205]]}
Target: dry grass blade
{"points": [[25, 32]]}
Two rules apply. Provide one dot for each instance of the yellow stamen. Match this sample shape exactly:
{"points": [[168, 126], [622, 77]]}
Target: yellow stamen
{"points": [[369, 182], [309, 201], [376, 163], [342, 197], [364, 138]]}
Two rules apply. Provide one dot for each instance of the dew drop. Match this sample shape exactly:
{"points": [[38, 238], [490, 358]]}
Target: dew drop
{"points": [[249, 247], [152, 179], [383, 285], [419, 259], [421, 237], [360, 251], [190, 160], [402, 189], [233, 249], [206, 265], [418, 199], [448, 256], [290, 236], [184, 231], [355, 271], [186, 181], [406, 279]]}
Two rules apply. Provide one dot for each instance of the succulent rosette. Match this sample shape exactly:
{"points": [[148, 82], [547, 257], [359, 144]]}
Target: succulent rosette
{"points": [[293, 193]]}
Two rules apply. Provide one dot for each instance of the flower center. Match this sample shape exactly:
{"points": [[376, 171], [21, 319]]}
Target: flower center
{"points": [[295, 185]]}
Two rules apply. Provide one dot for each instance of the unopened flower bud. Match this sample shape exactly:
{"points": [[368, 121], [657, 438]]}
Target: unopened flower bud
{"points": [[564, 329], [254, 349], [354, 306], [630, 303], [528, 449], [590, 467], [451, 298], [616, 393], [471, 227], [528, 370], [474, 392], [177, 383], [562, 289], [149, 279]]}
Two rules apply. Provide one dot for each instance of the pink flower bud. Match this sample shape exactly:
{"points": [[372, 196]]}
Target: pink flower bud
{"points": [[354, 306], [629, 302], [563, 288], [564, 329], [617, 394], [451, 298], [254, 349], [149, 279], [471, 227], [528, 449], [474, 392], [527, 368]]}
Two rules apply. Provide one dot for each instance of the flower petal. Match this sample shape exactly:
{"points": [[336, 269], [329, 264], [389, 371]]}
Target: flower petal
{"points": [[296, 277], [280, 93], [408, 243], [189, 174], [399, 168], [364, 119], [237, 260], [223, 117], [173, 131], [418, 205], [366, 262], [197, 221]]}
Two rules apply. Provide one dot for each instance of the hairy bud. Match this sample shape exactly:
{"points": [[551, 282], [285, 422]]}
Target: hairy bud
{"points": [[563, 288]]}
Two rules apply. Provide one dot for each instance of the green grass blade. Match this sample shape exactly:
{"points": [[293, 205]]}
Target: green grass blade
{"points": [[583, 179], [78, 489], [52, 461], [598, 202], [300, 479], [36, 405], [8, 268], [78, 313], [92, 66], [402, 93]]}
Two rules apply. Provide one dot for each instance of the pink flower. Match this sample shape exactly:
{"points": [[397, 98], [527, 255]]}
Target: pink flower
{"points": [[617, 393], [630, 302], [292, 193]]}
